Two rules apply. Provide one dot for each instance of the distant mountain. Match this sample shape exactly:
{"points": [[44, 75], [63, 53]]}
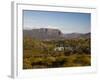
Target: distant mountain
{"points": [[52, 34], [43, 33], [87, 35], [73, 35], [76, 35]]}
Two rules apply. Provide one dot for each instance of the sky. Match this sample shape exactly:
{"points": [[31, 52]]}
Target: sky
{"points": [[67, 22]]}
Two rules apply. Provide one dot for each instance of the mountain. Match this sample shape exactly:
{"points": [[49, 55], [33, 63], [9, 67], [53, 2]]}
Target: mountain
{"points": [[52, 34], [87, 35], [43, 33], [72, 35], [77, 35]]}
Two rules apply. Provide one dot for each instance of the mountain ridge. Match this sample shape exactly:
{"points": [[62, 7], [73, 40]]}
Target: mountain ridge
{"points": [[53, 34]]}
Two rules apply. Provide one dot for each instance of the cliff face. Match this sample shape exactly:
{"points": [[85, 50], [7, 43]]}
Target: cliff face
{"points": [[43, 33]]}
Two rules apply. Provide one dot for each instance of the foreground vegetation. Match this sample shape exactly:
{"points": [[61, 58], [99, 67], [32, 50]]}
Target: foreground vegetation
{"points": [[56, 53]]}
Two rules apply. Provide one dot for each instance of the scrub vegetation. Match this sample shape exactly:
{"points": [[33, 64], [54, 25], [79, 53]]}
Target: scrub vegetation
{"points": [[56, 53]]}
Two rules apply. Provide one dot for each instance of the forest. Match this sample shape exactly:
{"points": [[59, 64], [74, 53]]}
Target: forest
{"points": [[56, 53]]}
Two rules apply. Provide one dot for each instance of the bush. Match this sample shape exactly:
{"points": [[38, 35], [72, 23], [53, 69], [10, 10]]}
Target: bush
{"points": [[26, 64]]}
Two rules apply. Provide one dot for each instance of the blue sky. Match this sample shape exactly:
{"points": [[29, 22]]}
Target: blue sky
{"points": [[67, 22]]}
